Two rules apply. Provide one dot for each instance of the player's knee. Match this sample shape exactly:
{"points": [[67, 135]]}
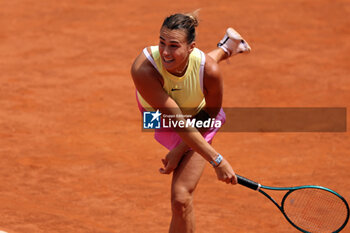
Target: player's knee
{"points": [[181, 202]]}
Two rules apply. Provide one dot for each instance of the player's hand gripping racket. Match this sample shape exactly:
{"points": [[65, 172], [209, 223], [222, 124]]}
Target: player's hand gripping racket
{"points": [[308, 208]]}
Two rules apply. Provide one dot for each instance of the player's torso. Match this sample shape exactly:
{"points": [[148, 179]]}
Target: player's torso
{"points": [[186, 91]]}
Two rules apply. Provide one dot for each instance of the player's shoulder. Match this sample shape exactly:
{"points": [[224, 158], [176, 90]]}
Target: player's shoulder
{"points": [[141, 65]]}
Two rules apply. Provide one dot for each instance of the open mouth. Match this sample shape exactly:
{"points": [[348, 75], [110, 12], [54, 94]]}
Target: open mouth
{"points": [[168, 60]]}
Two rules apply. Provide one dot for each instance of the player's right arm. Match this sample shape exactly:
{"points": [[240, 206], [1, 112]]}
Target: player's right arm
{"points": [[148, 82]]}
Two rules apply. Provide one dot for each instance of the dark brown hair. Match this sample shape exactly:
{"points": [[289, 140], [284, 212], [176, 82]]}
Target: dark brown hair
{"points": [[186, 22]]}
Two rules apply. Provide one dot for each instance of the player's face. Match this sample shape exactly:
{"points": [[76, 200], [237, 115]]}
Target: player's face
{"points": [[174, 50]]}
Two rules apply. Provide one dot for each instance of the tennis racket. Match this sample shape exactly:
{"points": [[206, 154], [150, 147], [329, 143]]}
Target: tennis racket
{"points": [[308, 208]]}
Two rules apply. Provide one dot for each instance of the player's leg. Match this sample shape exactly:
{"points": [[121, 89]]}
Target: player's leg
{"points": [[218, 55], [185, 179], [231, 44]]}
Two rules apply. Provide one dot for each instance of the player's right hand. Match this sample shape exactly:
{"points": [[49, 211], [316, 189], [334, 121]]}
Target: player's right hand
{"points": [[225, 172]]}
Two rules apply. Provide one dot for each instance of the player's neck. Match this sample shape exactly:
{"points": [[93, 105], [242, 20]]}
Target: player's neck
{"points": [[181, 70]]}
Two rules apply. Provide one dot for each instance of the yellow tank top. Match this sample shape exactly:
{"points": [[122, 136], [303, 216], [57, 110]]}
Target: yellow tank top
{"points": [[186, 91]]}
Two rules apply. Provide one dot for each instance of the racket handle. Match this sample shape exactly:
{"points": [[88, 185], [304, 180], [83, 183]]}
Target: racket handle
{"points": [[248, 183]]}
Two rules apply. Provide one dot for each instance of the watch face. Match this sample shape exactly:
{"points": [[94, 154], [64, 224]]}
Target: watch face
{"points": [[217, 161]]}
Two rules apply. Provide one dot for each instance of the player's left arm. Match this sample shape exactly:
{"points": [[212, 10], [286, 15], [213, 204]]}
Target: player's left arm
{"points": [[213, 87], [213, 91]]}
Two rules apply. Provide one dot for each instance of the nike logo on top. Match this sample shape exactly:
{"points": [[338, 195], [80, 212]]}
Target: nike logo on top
{"points": [[175, 89]]}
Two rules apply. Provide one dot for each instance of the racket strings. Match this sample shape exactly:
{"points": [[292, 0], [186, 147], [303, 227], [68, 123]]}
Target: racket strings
{"points": [[315, 210]]}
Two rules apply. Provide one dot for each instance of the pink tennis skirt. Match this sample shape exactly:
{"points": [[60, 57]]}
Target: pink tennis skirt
{"points": [[170, 139]]}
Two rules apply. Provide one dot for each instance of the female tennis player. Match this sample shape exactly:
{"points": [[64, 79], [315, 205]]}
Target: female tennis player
{"points": [[178, 79]]}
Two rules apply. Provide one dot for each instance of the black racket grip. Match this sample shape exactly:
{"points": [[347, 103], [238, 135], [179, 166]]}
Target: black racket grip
{"points": [[248, 183]]}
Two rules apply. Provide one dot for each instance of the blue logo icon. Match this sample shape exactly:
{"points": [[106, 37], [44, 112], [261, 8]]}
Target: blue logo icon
{"points": [[151, 120]]}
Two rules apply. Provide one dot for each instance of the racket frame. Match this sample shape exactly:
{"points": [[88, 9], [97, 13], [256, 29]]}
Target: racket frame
{"points": [[257, 187]]}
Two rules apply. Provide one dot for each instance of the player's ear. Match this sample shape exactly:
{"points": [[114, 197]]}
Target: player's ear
{"points": [[192, 46]]}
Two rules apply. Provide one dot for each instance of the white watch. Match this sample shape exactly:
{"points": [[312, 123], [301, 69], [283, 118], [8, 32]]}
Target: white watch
{"points": [[217, 161]]}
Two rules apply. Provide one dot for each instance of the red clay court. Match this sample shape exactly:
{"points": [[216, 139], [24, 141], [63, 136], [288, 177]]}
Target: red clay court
{"points": [[73, 156]]}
